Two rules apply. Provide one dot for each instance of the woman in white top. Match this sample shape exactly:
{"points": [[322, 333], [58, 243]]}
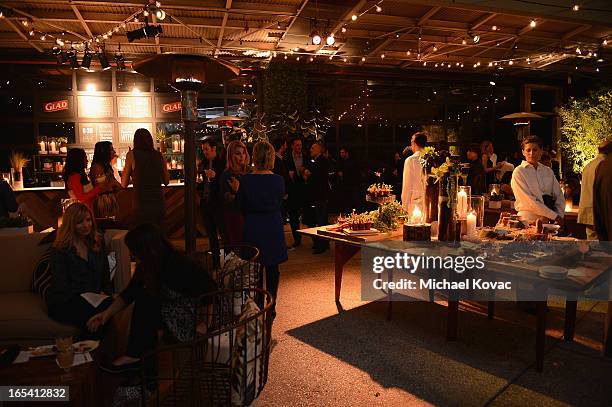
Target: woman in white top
{"points": [[537, 191]]}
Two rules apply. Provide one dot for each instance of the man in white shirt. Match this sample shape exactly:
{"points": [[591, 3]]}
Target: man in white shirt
{"points": [[532, 182], [585, 211], [413, 187]]}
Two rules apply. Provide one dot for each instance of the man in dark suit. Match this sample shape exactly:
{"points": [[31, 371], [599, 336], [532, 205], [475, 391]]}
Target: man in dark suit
{"points": [[317, 181], [280, 147], [211, 168], [294, 163]]}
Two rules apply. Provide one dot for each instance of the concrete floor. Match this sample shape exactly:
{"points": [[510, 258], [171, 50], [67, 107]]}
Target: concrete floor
{"points": [[359, 358]]}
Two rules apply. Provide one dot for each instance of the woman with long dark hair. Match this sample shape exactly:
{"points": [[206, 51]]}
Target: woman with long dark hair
{"points": [[78, 265], [147, 170], [75, 178], [105, 204], [163, 290], [229, 183]]}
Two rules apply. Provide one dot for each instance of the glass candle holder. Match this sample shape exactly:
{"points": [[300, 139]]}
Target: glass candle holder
{"points": [[42, 145], [494, 189], [176, 143], [464, 194], [477, 206]]}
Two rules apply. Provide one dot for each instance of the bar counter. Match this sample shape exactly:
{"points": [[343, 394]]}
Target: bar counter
{"points": [[43, 206]]}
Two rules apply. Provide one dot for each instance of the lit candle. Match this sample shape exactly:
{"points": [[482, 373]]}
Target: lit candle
{"points": [[568, 206], [173, 163], [182, 145], [471, 224], [462, 205], [417, 215], [52, 146], [175, 146], [42, 146]]}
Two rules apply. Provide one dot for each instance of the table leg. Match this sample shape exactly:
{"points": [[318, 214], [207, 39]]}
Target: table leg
{"points": [[570, 320], [540, 334], [452, 320], [343, 253], [491, 309]]}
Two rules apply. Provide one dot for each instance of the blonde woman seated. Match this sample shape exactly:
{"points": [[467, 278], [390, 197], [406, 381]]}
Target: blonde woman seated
{"points": [[78, 266]]}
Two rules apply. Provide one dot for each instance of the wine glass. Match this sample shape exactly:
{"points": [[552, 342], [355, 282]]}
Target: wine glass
{"points": [[583, 248], [65, 355]]}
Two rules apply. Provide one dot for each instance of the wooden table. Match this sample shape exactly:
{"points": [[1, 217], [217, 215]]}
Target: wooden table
{"points": [[84, 388], [347, 246]]}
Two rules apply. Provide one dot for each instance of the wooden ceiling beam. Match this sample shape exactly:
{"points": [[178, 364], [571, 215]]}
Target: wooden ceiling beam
{"points": [[22, 35], [228, 6], [575, 32], [475, 25], [428, 15], [77, 13], [292, 22]]}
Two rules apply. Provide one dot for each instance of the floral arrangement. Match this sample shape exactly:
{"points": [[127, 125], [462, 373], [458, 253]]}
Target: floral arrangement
{"points": [[18, 160], [388, 215], [360, 221], [379, 190]]}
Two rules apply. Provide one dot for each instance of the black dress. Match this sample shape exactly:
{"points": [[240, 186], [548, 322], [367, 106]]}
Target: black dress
{"points": [[148, 176]]}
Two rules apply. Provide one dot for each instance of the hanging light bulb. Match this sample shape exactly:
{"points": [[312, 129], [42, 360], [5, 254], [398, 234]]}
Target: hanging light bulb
{"points": [[378, 8], [532, 24], [463, 41], [158, 4], [575, 7], [354, 17], [578, 51], [605, 42], [408, 52], [435, 48], [382, 56], [330, 40], [494, 28], [363, 59], [343, 29], [31, 33]]}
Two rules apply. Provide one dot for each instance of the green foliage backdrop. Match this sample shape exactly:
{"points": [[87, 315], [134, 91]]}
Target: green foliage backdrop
{"points": [[586, 123]]}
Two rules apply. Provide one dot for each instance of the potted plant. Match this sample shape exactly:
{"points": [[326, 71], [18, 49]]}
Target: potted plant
{"points": [[18, 161], [16, 226]]}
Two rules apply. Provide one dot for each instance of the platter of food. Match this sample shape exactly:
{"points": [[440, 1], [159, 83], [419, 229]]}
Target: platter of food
{"points": [[85, 346]]}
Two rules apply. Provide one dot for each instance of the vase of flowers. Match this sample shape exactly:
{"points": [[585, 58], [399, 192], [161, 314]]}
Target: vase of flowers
{"points": [[447, 178], [18, 161]]}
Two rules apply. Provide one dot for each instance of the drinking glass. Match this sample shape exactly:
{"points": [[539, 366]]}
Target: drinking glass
{"points": [[65, 355]]}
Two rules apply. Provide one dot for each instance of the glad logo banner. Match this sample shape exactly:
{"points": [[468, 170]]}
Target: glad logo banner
{"points": [[171, 107], [56, 106]]}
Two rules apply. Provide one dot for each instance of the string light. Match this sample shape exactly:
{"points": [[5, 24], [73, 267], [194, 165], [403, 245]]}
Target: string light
{"points": [[344, 29], [354, 17], [494, 28], [532, 24], [575, 7], [378, 8], [363, 59]]}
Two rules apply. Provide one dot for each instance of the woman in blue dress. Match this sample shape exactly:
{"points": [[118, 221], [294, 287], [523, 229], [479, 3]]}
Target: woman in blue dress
{"points": [[260, 196]]}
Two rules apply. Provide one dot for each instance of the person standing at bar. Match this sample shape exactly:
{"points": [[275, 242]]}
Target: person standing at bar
{"points": [[585, 211], [294, 162], [105, 204], [148, 170], [229, 183], [317, 179], [537, 191], [211, 169], [413, 187], [77, 183]]}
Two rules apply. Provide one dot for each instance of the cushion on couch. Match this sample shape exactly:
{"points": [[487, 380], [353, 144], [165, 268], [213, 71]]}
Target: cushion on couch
{"points": [[24, 319], [19, 254], [41, 280]]}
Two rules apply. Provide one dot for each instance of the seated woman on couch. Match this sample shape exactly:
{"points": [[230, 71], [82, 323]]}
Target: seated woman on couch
{"points": [[78, 266], [163, 289]]}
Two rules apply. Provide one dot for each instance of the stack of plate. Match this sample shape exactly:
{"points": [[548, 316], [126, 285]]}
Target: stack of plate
{"points": [[553, 272]]}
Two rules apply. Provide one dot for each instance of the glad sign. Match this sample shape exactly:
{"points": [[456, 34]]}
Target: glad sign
{"points": [[171, 107], [56, 106]]}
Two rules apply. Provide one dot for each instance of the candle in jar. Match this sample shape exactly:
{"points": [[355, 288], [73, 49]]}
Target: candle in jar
{"points": [[173, 163], [182, 145], [52, 146], [417, 216], [462, 206], [471, 224], [175, 146], [568, 206], [42, 147]]}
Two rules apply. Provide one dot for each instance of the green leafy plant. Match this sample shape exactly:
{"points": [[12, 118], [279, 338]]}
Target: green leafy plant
{"points": [[586, 123], [387, 217]]}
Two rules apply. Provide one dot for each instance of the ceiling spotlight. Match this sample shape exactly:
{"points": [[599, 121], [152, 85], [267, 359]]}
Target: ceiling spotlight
{"points": [[148, 31], [344, 29], [408, 52], [86, 62], [120, 61], [354, 17], [532, 24], [378, 8], [330, 40], [475, 37], [160, 14], [72, 57], [316, 38], [575, 7], [104, 61], [59, 54]]}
